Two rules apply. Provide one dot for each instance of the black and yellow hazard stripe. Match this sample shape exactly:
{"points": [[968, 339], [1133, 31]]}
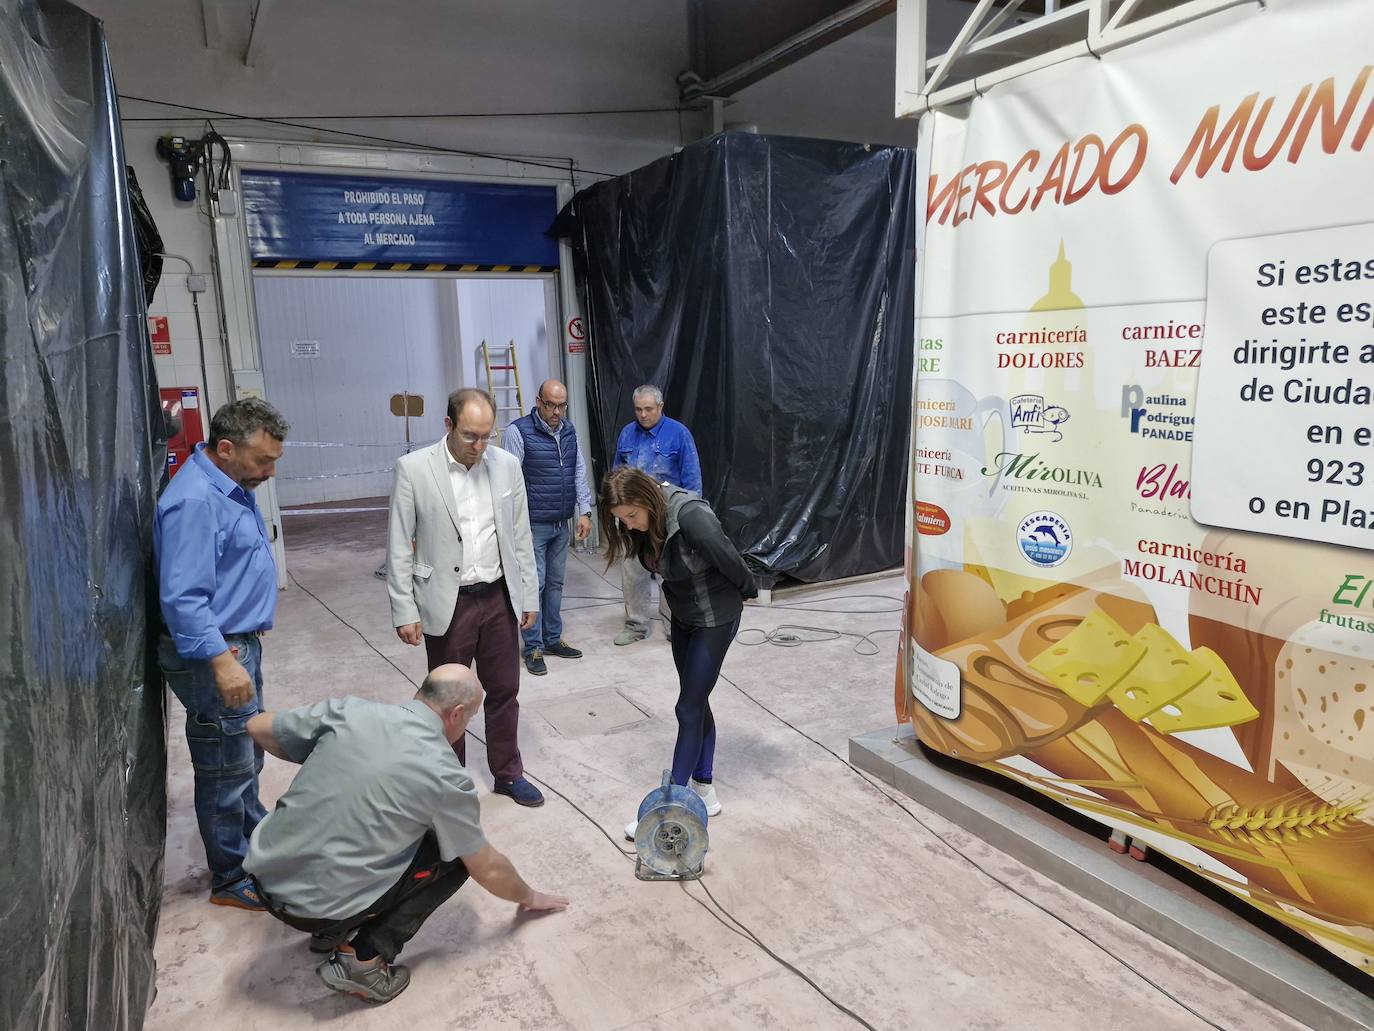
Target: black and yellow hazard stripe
{"points": [[393, 266]]}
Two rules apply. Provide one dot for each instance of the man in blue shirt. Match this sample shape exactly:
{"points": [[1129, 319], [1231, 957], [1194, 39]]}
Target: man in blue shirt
{"points": [[556, 484], [664, 449], [217, 583]]}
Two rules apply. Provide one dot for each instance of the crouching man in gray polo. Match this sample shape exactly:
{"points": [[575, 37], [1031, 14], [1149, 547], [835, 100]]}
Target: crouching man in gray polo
{"points": [[379, 828]]}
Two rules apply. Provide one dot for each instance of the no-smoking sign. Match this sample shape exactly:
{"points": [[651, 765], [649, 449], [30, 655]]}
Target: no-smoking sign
{"points": [[577, 335]]}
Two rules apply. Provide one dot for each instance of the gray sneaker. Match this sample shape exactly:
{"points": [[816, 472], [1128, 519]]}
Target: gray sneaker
{"points": [[373, 981], [630, 636]]}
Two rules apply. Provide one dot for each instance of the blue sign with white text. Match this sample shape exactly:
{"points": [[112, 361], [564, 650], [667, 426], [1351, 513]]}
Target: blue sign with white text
{"points": [[308, 217]]}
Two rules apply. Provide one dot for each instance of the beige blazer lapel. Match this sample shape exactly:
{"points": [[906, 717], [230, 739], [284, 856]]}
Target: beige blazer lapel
{"points": [[438, 465]]}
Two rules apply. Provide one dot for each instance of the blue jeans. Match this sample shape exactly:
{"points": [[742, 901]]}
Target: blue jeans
{"points": [[551, 561], [225, 760]]}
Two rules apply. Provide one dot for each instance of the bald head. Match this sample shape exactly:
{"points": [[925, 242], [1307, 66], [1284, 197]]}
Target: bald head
{"points": [[553, 402], [450, 686]]}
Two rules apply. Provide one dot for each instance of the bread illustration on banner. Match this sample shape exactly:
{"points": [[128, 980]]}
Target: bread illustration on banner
{"points": [[1079, 692]]}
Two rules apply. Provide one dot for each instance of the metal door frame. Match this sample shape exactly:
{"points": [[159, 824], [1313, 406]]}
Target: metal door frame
{"points": [[234, 271]]}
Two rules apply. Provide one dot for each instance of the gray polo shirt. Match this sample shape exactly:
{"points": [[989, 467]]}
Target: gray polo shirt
{"points": [[375, 778]]}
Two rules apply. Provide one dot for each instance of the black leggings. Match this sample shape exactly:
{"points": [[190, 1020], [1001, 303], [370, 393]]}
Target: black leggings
{"points": [[394, 918], [698, 653]]}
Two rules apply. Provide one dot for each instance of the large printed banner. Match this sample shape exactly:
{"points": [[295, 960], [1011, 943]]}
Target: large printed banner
{"points": [[1142, 522]]}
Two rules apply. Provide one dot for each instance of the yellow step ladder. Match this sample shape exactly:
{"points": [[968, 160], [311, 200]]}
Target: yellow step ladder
{"points": [[502, 358]]}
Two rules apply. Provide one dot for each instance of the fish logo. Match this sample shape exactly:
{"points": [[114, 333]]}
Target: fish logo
{"points": [[1045, 539]]}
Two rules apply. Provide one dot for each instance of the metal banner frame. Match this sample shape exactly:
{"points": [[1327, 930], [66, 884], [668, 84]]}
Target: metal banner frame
{"points": [[986, 52]]}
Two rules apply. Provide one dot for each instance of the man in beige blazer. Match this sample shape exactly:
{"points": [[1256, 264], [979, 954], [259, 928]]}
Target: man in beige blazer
{"points": [[460, 570]]}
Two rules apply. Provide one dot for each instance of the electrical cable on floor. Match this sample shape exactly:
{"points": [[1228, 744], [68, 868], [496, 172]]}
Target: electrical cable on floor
{"points": [[790, 635], [943, 839], [593, 570], [590, 605], [745, 932], [974, 863], [325, 605]]}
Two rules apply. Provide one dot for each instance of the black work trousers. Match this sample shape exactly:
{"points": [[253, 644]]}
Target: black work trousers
{"points": [[394, 918]]}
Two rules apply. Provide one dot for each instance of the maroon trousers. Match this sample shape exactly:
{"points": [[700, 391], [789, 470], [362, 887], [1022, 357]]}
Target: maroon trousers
{"points": [[485, 635]]}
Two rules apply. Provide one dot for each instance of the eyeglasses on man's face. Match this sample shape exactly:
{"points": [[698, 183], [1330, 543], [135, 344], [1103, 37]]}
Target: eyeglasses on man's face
{"points": [[473, 439], [560, 407]]}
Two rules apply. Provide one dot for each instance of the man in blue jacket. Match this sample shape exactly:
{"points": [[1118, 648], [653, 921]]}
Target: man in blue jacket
{"points": [[556, 484], [217, 583], [664, 449]]}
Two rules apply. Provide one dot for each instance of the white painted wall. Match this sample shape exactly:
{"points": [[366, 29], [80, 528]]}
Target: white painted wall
{"points": [[499, 311], [379, 336], [182, 367], [375, 337]]}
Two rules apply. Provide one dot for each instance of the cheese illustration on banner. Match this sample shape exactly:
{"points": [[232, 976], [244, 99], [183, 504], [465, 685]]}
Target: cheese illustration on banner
{"points": [[1091, 660], [1166, 672], [1148, 675], [1217, 702]]}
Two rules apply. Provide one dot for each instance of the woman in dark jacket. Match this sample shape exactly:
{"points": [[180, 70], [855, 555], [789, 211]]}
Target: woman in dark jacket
{"points": [[674, 533]]}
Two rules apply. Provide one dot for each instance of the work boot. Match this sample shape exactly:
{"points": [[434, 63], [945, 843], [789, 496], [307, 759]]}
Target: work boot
{"points": [[373, 980], [534, 662], [630, 635], [563, 650]]}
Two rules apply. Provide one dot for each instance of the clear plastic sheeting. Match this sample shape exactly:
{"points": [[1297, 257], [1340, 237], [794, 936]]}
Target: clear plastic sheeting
{"points": [[82, 743], [766, 284]]}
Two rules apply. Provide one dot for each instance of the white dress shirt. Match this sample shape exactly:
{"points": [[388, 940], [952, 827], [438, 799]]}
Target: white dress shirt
{"points": [[476, 520]]}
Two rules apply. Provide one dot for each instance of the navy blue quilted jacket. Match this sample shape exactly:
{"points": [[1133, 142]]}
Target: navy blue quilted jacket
{"points": [[550, 466]]}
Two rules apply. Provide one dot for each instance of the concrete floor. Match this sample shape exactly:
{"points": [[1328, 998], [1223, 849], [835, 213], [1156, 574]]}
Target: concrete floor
{"points": [[824, 869]]}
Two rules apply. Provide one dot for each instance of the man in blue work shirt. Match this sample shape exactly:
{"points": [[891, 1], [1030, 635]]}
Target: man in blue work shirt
{"points": [[556, 484], [664, 449], [217, 583]]}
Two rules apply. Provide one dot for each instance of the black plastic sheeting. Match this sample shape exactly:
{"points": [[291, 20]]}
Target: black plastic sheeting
{"points": [[82, 740], [146, 235], [766, 285]]}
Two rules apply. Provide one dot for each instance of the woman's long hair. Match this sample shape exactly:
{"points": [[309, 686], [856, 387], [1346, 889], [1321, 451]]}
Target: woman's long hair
{"points": [[627, 485]]}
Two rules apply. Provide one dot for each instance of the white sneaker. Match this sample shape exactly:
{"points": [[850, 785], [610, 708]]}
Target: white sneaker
{"points": [[707, 793], [630, 829]]}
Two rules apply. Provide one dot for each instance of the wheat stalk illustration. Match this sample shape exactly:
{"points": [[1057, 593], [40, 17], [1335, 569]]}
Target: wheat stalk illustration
{"points": [[1280, 824]]}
